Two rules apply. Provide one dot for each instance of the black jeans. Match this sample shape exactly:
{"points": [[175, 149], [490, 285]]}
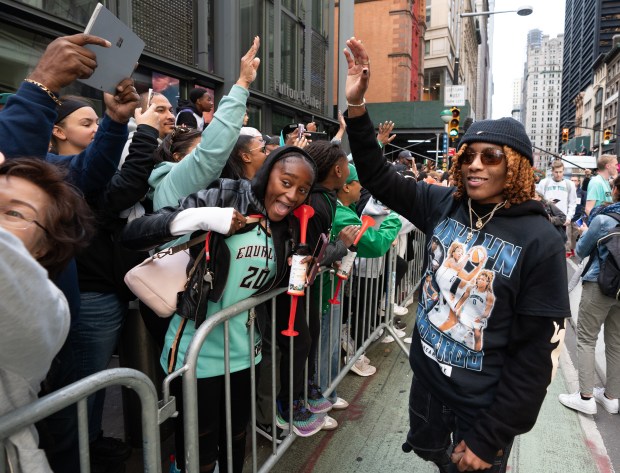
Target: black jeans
{"points": [[435, 430], [212, 421]]}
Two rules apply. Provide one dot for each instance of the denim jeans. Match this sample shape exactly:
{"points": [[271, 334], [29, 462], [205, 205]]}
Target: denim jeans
{"points": [[93, 339], [328, 371], [435, 430]]}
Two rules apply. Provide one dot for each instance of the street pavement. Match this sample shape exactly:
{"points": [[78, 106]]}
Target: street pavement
{"points": [[374, 427]]}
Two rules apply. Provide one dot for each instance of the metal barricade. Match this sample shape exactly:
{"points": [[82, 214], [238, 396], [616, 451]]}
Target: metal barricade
{"points": [[374, 290], [78, 392]]}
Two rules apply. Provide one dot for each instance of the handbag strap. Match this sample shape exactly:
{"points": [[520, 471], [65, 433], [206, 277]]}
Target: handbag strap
{"points": [[182, 247]]}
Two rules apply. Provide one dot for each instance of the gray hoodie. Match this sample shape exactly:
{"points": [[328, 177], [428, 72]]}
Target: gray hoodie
{"points": [[34, 322]]}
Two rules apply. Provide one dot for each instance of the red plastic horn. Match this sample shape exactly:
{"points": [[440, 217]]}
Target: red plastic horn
{"points": [[367, 222], [303, 213]]}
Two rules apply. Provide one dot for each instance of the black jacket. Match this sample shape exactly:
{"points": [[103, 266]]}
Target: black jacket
{"points": [[247, 198], [102, 266]]}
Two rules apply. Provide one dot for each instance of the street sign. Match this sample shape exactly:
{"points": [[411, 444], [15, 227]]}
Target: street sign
{"points": [[452, 151], [454, 96], [444, 150]]}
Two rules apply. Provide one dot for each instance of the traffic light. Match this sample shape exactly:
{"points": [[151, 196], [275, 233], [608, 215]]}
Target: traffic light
{"points": [[606, 136], [565, 135], [453, 128]]}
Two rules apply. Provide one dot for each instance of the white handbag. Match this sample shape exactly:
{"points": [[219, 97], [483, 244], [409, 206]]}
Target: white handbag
{"points": [[159, 279]]}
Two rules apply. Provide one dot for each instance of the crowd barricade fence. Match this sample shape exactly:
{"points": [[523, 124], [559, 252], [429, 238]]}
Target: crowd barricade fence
{"points": [[77, 393], [366, 300]]}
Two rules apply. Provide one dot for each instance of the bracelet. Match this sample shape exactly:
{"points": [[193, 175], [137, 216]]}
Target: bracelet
{"points": [[358, 104], [380, 144], [52, 95]]}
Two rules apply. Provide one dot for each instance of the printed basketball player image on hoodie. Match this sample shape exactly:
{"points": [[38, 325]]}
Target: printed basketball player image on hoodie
{"points": [[466, 294]]}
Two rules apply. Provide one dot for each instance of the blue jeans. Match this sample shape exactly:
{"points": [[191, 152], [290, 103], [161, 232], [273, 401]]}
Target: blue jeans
{"points": [[327, 371], [93, 339], [435, 430]]}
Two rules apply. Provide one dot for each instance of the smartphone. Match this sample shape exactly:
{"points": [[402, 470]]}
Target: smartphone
{"points": [[579, 222], [149, 98], [301, 129], [322, 243]]}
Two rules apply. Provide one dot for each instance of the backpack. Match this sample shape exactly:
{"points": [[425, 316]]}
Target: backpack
{"points": [[609, 275]]}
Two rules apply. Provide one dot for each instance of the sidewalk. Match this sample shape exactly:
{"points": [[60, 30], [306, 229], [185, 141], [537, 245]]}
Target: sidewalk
{"points": [[374, 427]]}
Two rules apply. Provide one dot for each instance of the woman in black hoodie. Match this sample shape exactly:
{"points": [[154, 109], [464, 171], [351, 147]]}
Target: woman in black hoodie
{"points": [[252, 235], [478, 397]]}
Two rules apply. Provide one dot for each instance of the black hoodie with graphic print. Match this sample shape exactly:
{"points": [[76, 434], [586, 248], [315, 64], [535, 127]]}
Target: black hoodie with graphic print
{"points": [[490, 318]]}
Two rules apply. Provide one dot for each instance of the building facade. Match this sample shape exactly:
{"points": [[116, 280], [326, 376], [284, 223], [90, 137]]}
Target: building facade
{"points": [[393, 33], [517, 95], [542, 87], [457, 52], [197, 43], [589, 27]]}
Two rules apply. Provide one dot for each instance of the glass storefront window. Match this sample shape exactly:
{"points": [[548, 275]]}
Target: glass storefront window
{"points": [[76, 11], [292, 52], [432, 84], [279, 119], [20, 51], [291, 5], [252, 18]]}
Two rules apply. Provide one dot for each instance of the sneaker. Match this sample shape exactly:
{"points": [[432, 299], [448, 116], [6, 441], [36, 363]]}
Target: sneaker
{"points": [[387, 339], [399, 310], [408, 340], [330, 423], [340, 404], [574, 401], [399, 324], [305, 423], [400, 333], [348, 344], [610, 405], [109, 449], [363, 369], [266, 430], [317, 403]]}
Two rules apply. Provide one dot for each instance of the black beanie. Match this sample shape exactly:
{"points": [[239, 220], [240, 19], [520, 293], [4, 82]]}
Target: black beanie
{"points": [[504, 131], [68, 107]]}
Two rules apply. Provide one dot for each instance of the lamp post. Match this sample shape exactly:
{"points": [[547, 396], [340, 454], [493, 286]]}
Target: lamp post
{"points": [[521, 11]]}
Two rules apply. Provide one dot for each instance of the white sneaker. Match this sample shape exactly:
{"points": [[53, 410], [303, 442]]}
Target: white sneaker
{"points": [[330, 423], [340, 404], [610, 405], [348, 344], [398, 310], [387, 339], [574, 401], [400, 333], [407, 340], [362, 369]]}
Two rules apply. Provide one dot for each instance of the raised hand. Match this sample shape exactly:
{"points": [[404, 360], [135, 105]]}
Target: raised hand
{"points": [[148, 117], [385, 129], [249, 65], [65, 59], [121, 106], [358, 76]]}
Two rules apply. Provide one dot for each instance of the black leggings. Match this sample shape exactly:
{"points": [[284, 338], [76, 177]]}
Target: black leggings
{"points": [[212, 421]]}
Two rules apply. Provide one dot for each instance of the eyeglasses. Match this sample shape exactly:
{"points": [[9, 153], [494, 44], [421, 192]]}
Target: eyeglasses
{"points": [[489, 156], [262, 147], [13, 218]]}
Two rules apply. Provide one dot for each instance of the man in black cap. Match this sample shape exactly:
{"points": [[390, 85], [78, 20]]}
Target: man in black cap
{"points": [[189, 112], [485, 347], [405, 161]]}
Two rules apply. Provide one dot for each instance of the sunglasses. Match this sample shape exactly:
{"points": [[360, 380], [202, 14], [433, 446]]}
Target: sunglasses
{"points": [[262, 147], [489, 156]]}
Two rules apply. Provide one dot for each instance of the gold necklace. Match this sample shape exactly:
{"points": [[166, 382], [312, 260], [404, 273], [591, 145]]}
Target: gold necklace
{"points": [[479, 222]]}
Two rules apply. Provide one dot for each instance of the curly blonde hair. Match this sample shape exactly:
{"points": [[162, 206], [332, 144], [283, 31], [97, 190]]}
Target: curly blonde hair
{"points": [[520, 185]]}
